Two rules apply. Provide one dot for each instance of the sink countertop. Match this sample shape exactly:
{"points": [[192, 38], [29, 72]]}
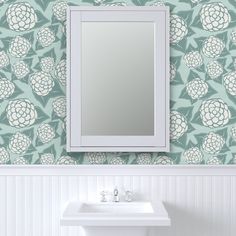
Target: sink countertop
{"points": [[78, 213]]}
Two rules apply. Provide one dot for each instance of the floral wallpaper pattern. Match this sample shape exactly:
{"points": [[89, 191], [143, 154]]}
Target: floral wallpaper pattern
{"points": [[33, 80]]}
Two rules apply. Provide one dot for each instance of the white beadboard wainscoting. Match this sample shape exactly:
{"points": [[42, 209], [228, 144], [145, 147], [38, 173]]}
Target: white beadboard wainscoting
{"points": [[201, 200]]}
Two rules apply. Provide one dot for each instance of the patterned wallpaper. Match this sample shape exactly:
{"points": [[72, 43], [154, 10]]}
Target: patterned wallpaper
{"points": [[33, 79]]}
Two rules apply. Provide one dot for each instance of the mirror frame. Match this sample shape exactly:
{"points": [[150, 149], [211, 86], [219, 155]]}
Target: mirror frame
{"points": [[160, 140]]}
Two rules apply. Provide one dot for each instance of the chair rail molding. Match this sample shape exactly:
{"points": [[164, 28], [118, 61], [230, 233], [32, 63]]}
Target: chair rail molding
{"points": [[113, 170]]}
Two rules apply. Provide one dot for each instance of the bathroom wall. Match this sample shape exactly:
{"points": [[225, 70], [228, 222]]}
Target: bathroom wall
{"points": [[33, 79], [199, 201]]}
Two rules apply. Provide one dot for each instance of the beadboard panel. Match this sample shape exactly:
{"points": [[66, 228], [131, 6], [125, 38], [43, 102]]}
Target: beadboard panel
{"points": [[30, 205]]}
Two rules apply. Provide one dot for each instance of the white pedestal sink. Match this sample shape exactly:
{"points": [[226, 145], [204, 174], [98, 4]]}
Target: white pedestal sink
{"points": [[115, 219]]}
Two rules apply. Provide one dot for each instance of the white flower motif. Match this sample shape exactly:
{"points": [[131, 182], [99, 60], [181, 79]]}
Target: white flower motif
{"points": [[41, 83], [20, 161], [233, 132], [115, 161], [214, 161], [47, 159], [20, 69], [193, 59], [178, 125], [4, 59], [172, 72], [213, 47], [158, 4], [193, 156], [214, 113], [144, 159], [46, 37], [45, 133], [163, 160], [59, 106], [213, 143], [96, 158], [21, 113], [178, 29], [229, 82], [112, 4], [66, 160], [6, 88], [47, 64], [214, 16], [59, 10], [19, 143], [197, 88], [21, 16], [19, 47], [214, 69], [60, 72], [4, 156], [233, 36]]}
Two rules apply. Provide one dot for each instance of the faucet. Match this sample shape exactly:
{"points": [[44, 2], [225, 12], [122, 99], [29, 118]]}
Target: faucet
{"points": [[128, 196], [115, 196], [103, 196]]}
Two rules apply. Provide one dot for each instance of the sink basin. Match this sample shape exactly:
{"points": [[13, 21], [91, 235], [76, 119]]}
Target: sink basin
{"points": [[115, 214]]}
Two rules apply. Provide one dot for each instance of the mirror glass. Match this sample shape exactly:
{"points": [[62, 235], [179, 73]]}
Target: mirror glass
{"points": [[117, 78]]}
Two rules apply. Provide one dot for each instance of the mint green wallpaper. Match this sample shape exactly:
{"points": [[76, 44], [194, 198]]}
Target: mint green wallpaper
{"points": [[33, 80]]}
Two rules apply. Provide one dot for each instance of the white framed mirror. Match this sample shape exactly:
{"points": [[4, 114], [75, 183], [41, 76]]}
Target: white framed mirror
{"points": [[118, 79]]}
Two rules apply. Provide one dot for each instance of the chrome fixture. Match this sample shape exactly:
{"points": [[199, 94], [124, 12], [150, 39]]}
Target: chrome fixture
{"points": [[103, 196], [128, 196], [116, 196]]}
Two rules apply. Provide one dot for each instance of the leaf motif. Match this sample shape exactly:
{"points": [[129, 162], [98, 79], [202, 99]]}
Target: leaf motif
{"points": [[3, 119], [232, 46], [50, 149], [197, 119], [3, 22], [177, 79], [181, 142], [197, 22], [29, 158], [6, 41], [172, 103], [232, 120], [29, 37], [50, 53], [193, 75], [186, 111], [180, 46], [54, 28], [184, 94], [31, 149], [63, 42], [201, 68], [171, 6], [140, 2], [186, 15], [232, 142], [38, 46], [7, 68], [43, 4], [42, 116], [63, 138], [29, 133], [42, 20], [17, 92], [31, 53]]}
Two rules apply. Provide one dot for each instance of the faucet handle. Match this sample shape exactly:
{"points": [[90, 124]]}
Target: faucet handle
{"points": [[128, 196], [103, 196]]}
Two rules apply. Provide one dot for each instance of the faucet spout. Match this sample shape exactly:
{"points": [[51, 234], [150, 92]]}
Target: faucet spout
{"points": [[116, 195]]}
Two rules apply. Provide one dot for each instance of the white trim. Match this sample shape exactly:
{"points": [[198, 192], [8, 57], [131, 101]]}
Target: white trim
{"points": [[117, 170], [160, 140]]}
